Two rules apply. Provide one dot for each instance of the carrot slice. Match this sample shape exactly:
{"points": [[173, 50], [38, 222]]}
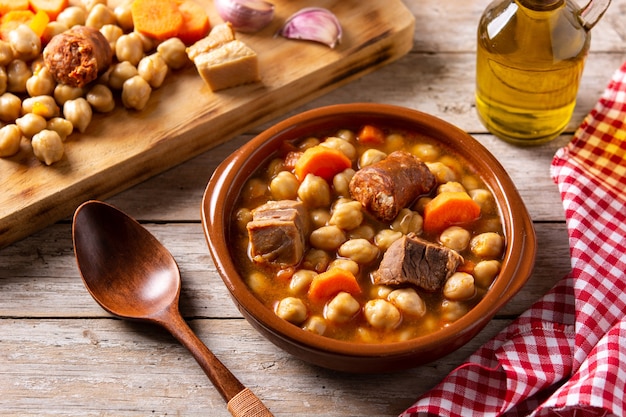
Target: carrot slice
{"points": [[449, 208], [11, 20], [321, 161], [158, 19], [195, 22], [51, 7], [39, 22], [331, 282], [9, 5], [371, 135]]}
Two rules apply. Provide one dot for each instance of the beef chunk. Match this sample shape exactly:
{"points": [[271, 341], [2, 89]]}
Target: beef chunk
{"points": [[416, 261], [277, 233]]}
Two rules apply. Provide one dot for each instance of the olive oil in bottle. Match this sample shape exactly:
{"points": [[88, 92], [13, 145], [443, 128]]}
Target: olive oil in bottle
{"points": [[530, 58]]}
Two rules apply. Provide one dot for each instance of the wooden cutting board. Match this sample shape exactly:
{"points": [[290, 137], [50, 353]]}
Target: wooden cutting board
{"points": [[184, 117]]}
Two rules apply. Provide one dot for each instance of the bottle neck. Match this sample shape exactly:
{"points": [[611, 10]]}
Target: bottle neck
{"points": [[541, 5]]}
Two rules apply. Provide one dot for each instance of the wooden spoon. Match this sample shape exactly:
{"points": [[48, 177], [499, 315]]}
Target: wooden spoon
{"points": [[132, 275]]}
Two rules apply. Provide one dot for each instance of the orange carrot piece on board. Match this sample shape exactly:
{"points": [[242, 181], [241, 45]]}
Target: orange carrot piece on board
{"points": [[322, 161], [331, 282], [371, 135], [195, 22], [11, 20], [51, 7], [9, 5], [449, 208], [158, 19]]}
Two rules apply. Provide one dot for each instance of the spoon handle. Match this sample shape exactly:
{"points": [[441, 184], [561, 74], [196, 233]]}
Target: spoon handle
{"points": [[241, 401]]}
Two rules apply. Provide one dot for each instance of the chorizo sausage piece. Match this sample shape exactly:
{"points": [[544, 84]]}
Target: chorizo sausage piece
{"points": [[386, 187], [78, 56]]}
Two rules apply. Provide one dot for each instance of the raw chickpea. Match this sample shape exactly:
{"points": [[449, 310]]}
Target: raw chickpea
{"points": [[362, 232], [341, 145], [319, 217], [135, 93], [62, 126], [408, 301], [451, 186], [99, 16], [301, 280], [316, 260], [72, 16], [121, 72], [342, 308], [48, 146], [10, 138], [123, 16], [3, 80], [18, 72], [426, 152], [408, 221], [460, 286], [129, 48], [40, 83], [314, 191], [6, 53], [10, 107], [52, 29], [315, 324], [381, 314], [78, 112], [341, 182], [112, 33], [292, 309], [25, 43], [100, 98], [64, 92], [174, 52], [487, 245], [284, 186], [370, 157], [345, 264], [485, 272], [385, 238], [455, 238], [359, 250], [44, 106], [153, 69], [347, 216], [442, 172], [327, 238], [31, 124]]}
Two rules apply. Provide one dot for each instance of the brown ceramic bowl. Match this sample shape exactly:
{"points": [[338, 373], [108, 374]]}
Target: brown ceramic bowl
{"points": [[228, 179]]}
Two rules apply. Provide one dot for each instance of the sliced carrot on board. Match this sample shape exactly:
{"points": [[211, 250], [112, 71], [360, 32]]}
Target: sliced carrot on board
{"points": [[195, 22], [11, 20], [158, 19], [9, 5], [51, 7], [371, 135], [449, 208], [335, 280], [322, 161]]}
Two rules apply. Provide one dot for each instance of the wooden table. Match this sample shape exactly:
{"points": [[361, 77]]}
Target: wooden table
{"points": [[61, 354]]}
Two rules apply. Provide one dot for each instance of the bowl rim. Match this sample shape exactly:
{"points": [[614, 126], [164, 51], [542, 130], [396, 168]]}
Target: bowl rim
{"points": [[518, 226]]}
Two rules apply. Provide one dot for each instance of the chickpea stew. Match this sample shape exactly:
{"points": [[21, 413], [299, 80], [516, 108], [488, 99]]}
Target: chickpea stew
{"points": [[367, 234]]}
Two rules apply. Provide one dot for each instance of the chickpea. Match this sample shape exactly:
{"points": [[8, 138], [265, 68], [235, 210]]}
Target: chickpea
{"points": [[6, 53], [257, 282], [314, 191], [31, 124], [78, 112], [25, 43], [112, 33], [420, 203], [408, 221], [47, 146], [292, 309], [243, 216], [135, 93], [121, 72], [346, 134], [315, 324], [319, 217], [72, 16], [10, 138], [380, 291], [100, 15], [64, 92], [301, 280], [284, 186], [470, 182], [255, 188], [408, 301], [345, 264], [455, 238], [62, 126], [442, 172], [44, 106], [460, 286], [381, 314], [342, 308], [3, 80], [123, 16], [10, 107], [487, 245], [308, 143], [153, 69], [100, 98], [90, 4], [426, 152], [451, 310], [18, 72], [149, 44], [485, 272], [341, 182], [484, 199], [364, 231], [40, 83], [370, 157], [359, 250], [174, 52], [327, 238], [316, 260], [385, 238], [347, 216], [341, 145], [129, 48], [451, 186], [52, 29]]}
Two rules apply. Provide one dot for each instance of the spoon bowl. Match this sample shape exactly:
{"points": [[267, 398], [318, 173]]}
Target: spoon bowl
{"points": [[133, 276]]}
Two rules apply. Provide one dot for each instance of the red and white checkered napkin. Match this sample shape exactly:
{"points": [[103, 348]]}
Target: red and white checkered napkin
{"points": [[566, 355]]}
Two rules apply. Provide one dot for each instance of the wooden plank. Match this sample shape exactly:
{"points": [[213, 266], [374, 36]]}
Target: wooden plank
{"points": [[184, 118]]}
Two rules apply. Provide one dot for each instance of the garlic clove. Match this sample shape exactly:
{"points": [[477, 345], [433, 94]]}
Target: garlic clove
{"points": [[245, 15], [313, 24]]}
